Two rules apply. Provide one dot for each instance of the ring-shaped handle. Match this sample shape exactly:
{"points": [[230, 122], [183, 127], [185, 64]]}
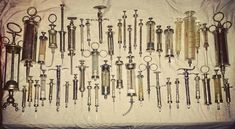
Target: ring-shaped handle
{"points": [[9, 24], [153, 69], [5, 40], [84, 55], [218, 17], [142, 69], [19, 42], [227, 24], [52, 18], [106, 53], [25, 18], [205, 69], [37, 18], [147, 58], [32, 11], [95, 43], [212, 28]]}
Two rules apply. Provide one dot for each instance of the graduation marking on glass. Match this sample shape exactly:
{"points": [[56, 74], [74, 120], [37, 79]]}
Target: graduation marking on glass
{"points": [[96, 96], [113, 88]]}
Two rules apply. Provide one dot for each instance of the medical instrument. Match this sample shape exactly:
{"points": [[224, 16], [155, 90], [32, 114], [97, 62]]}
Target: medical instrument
{"points": [[135, 28], [24, 98], [158, 90], [105, 79], [51, 84], [204, 31], [129, 29], [66, 94], [131, 81], [169, 43], [29, 51], [95, 59], [227, 92], [148, 67], [110, 41], [100, 20], [62, 33], [198, 37], [206, 84], [119, 33], [189, 36], [140, 38], [52, 36], [42, 49], [169, 96], [30, 90], [119, 65], [197, 86], [159, 42], [43, 78], [82, 35], [124, 17], [96, 96], [89, 95], [178, 35], [88, 30], [186, 83], [150, 35], [58, 85], [217, 88], [11, 79], [140, 86], [82, 72], [177, 91], [71, 41], [36, 95], [221, 44], [113, 88], [75, 88]]}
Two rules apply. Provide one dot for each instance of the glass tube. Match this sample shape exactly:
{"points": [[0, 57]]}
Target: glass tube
{"points": [[131, 84], [42, 48], [75, 88], [158, 89], [43, 77], [24, 94], [36, 95], [169, 97], [105, 79], [119, 65], [177, 96], [95, 63], [82, 78], [217, 89], [169, 42], [140, 86], [206, 88], [178, 35], [197, 36], [96, 96], [89, 95], [119, 32], [51, 83], [110, 41], [189, 36], [150, 35], [30, 90], [82, 35], [197, 86], [66, 94], [113, 88], [88, 31]]}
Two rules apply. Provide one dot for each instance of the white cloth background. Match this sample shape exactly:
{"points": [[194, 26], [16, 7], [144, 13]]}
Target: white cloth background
{"points": [[164, 12]]}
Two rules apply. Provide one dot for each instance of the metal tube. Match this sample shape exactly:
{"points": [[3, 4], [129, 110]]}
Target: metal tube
{"points": [[113, 88], [130, 47]]}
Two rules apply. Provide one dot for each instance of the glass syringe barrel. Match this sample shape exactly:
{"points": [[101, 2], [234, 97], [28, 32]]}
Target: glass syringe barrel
{"points": [[150, 35], [131, 82], [88, 31], [169, 96], [217, 87], [71, 40], [205, 30], [43, 77], [178, 35], [96, 96], [206, 88], [197, 36], [42, 48], [189, 36], [197, 87], [169, 42], [140, 86], [30, 90], [105, 79], [36, 94], [95, 62], [159, 39], [110, 41], [158, 89], [119, 32], [82, 35], [82, 69], [24, 98], [52, 37], [75, 88], [119, 65]]}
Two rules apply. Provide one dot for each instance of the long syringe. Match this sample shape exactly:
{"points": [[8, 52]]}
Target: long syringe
{"points": [[62, 33], [71, 41]]}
